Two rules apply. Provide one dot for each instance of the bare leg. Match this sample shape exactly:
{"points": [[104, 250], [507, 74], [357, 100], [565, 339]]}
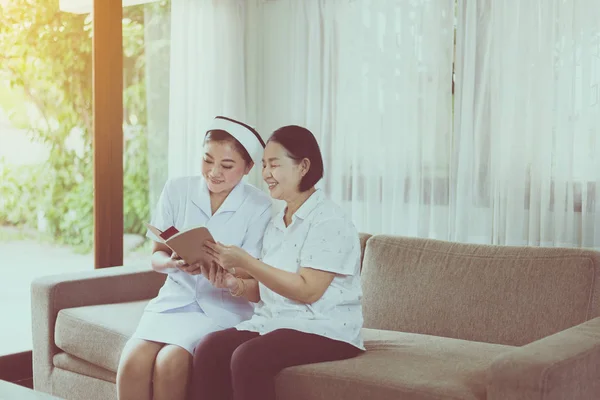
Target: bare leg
{"points": [[172, 373], [134, 376]]}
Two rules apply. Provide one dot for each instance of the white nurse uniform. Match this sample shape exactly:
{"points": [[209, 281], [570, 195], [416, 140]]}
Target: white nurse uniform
{"points": [[188, 306]]}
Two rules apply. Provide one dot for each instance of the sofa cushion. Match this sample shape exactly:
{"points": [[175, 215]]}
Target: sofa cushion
{"points": [[73, 386], [71, 363], [397, 365], [494, 294], [97, 334]]}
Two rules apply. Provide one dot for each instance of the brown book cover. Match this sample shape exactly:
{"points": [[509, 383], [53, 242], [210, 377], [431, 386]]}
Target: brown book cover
{"points": [[187, 244]]}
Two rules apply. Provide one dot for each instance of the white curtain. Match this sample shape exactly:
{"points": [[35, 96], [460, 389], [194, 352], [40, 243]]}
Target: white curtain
{"points": [[373, 80], [291, 56], [393, 128], [264, 62], [527, 123], [207, 75], [470, 216]]}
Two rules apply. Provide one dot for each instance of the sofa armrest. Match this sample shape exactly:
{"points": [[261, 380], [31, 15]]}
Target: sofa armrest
{"points": [[51, 294], [565, 365]]}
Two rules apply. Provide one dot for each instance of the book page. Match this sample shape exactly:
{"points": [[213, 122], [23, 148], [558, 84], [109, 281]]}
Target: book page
{"points": [[189, 245], [157, 232]]}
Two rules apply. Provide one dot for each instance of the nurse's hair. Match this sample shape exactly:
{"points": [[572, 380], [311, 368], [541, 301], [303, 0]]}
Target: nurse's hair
{"points": [[299, 144], [218, 135]]}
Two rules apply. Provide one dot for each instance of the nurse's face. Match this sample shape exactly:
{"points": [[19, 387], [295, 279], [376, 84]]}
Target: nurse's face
{"points": [[222, 166], [281, 172]]}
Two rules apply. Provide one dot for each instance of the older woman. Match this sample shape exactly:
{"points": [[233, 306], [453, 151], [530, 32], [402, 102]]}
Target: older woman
{"points": [[307, 283]]}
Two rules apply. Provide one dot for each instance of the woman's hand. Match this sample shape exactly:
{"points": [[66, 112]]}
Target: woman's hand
{"points": [[228, 257], [220, 278], [177, 263]]}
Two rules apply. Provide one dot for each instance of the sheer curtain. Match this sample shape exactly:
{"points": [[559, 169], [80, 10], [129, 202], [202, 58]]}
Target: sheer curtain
{"points": [[157, 40], [291, 67], [471, 219], [207, 74], [527, 127], [265, 62], [372, 80], [392, 140]]}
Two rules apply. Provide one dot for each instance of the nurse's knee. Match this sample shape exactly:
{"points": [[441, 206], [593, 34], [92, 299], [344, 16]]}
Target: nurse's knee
{"points": [[172, 363], [137, 360]]}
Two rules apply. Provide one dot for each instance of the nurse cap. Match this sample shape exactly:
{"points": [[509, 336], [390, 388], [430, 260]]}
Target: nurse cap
{"points": [[245, 134]]}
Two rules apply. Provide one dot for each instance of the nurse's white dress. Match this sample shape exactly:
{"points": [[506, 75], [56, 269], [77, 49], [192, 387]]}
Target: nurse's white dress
{"points": [[189, 307]]}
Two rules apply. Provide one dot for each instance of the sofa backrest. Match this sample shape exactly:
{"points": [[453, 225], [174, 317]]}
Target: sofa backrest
{"points": [[495, 294], [363, 244]]}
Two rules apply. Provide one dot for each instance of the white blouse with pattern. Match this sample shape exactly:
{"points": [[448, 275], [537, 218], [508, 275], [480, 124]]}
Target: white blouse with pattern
{"points": [[321, 237]]}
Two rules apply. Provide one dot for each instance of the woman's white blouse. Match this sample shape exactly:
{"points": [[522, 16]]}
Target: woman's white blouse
{"points": [[241, 221], [319, 237]]}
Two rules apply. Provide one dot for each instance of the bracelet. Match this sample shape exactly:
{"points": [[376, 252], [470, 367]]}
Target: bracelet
{"points": [[241, 292]]}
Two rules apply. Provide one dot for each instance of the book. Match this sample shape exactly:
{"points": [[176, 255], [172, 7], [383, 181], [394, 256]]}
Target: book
{"points": [[188, 244]]}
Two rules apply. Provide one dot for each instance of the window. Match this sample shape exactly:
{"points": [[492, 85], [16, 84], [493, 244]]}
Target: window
{"points": [[46, 185]]}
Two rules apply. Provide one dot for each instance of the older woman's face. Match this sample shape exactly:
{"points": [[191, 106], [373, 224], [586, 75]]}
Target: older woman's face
{"points": [[280, 172]]}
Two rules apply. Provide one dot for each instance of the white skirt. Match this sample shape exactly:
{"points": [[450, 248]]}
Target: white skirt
{"points": [[183, 327]]}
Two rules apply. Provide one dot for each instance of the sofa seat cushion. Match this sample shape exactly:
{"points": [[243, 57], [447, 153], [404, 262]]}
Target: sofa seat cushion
{"points": [[397, 365], [77, 365], [97, 334]]}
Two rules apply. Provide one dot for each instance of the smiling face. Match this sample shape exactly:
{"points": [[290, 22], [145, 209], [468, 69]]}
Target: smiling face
{"points": [[223, 167], [281, 172]]}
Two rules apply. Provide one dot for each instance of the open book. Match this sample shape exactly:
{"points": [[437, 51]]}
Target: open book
{"points": [[187, 244]]}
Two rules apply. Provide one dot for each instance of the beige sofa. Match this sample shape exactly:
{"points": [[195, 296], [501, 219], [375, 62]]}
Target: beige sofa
{"points": [[442, 321]]}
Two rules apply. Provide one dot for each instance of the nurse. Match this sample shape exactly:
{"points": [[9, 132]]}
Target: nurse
{"points": [[156, 362]]}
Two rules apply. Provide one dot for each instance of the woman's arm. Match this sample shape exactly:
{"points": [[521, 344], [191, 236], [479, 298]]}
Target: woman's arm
{"points": [[161, 258], [238, 287], [253, 240], [241, 273], [165, 259], [305, 286], [249, 290]]}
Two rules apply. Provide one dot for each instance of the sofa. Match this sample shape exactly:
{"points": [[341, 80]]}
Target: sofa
{"points": [[442, 321]]}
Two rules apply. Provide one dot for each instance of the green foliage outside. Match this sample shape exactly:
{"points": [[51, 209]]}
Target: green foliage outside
{"points": [[12, 101], [46, 55]]}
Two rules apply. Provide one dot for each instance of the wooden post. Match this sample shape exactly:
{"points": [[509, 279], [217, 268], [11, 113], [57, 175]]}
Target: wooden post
{"points": [[108, 132]]}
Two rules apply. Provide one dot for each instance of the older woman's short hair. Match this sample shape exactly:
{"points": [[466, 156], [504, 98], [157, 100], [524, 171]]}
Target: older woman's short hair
{"points": [[300, 143]]}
